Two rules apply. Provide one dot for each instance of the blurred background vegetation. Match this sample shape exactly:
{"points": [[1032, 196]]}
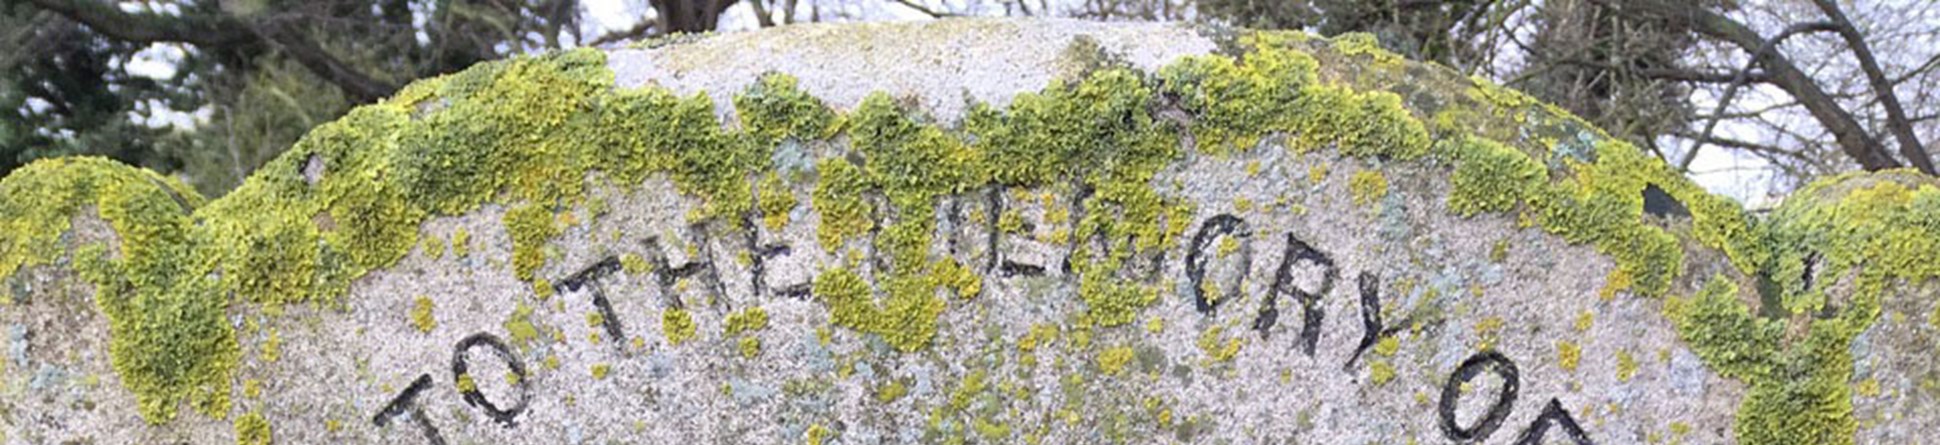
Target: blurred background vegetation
{"points": [[1752, 97]]}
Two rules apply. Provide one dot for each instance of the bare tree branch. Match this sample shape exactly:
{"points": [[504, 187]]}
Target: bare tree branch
{"points": [[1852, 137], [219, 30], [642, 29], [923, 9], [761, 13], [110, 20], [1738, 81], [1674, 74], [1896, 121]]}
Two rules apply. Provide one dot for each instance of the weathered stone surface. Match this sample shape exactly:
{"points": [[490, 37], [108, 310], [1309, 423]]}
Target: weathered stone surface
{"points": [[963, 231]]}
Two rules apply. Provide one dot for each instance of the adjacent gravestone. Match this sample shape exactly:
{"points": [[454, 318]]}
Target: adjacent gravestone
{"points": [[963, 231]]}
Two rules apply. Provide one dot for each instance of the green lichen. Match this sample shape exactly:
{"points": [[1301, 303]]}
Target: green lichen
{"points": [[1794, 352], [421, 316], [677, 325], [891, 392], [836, 197], [1112, 361], [526, 133], [907, 321], [1491, 177], [1626, 366], [774, 200], [170, 341], [1367, 187], [817, 435], [519, 325], [465, 383], [461, 242], [774, 109], [634, 264], [1276, 89], [746, 320], [1380, 372], [1568, 354], [1365, 44], [750, 347], [252, 429], [530, 226], [1216, 351]]}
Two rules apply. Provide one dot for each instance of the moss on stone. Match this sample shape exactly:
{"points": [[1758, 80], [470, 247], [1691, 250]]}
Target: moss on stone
{"points": [[519, 325], [1112, 361], [253, 429], [1380, 372], [461, 242], [421, 316], [746, 320], [526, 132], [1568, 354], [171, 341], [677, 325], [750, 347], [774, 108], [1491, 177], [1367, 187], [1879, 229], [530, 227], [465, 383], [634, 264]]}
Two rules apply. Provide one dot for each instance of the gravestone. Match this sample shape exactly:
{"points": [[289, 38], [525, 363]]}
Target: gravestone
{"points": [[964, 231]]}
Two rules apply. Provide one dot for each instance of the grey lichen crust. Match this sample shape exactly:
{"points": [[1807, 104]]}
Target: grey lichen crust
{"points": [[964, 231]]}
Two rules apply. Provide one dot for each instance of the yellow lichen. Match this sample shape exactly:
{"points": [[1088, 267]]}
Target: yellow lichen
{"points": [[1113, 360], [253, 429], [750, 347], [1568, 354], [1368, 187], [1380, 372], [421, 316], [530, 226], [1626, 365], [677, 325]]}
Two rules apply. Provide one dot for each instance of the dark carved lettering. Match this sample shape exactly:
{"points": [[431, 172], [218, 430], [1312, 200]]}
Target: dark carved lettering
{"points": [[407, 402], [590, 276], [1196, 259], [1312, 312], [666, 274], [460, 364], [1077, 214], [1012, 268], [994, 200], [997, 261], [1371, 328], [1553, 415], [760, 267], [1486, 361]]}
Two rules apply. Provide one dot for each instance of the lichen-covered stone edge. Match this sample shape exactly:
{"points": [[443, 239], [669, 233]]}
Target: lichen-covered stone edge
{"points": [[536, 132]]}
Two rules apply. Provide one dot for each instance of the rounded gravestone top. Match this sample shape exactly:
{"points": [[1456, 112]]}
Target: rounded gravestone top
{"points": [[986, 231]]}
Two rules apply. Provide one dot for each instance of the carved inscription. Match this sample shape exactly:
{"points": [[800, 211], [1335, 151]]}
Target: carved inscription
{"points": [[1298, 258]]}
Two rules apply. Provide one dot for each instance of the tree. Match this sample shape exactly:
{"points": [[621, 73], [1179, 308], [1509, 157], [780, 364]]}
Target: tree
{"points": [[261, 71], [1863, 143], [1768, 80]]}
